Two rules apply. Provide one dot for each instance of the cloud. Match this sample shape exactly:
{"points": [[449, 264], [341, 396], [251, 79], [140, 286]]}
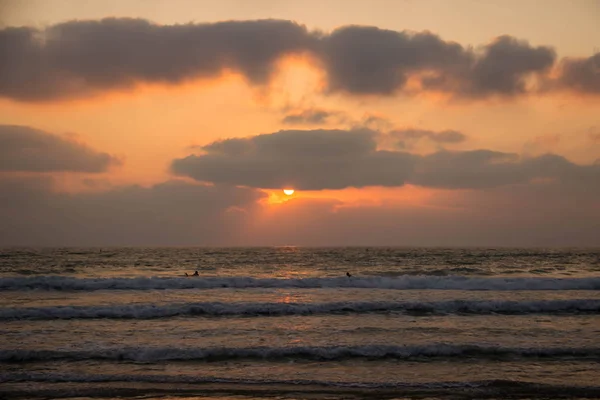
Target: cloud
{"points": [[32, 213], [548, 214], [367, 60], [170, 213], [30, 150], [336, 159], [314, 159], [407, 138], [181, 213], [81, 58], [376, 122], [504, 65], [308, 117], [581, 74], [488, 169]]}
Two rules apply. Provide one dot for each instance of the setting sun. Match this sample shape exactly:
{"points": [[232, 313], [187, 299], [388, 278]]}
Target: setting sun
{"points": [[288, 192]]}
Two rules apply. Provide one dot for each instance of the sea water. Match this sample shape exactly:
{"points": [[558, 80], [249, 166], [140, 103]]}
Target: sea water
{"points": [[288, 322]]}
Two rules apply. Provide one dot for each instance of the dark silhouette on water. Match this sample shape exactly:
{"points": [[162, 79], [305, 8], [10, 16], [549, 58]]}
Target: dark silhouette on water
{"points": [[194, 274], [348, 274]]}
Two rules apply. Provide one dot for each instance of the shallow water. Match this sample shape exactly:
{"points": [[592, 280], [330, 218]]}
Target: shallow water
{"points": [[288, 323]]}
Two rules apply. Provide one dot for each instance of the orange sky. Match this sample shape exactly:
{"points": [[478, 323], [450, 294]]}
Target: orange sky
{"points": [[152, 124]]}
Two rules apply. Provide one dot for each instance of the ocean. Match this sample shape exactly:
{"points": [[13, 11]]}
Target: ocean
{"points": [[289, 323]]}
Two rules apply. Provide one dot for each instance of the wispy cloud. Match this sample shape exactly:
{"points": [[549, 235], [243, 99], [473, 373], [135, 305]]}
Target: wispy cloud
{"points": [[313, 116]]}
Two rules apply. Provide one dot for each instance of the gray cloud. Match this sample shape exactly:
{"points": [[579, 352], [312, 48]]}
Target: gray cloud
{"points": [[170, 213], [80, 58], [333, 159], [31, 150], [315, 159], [369, 60], [504, 65], [488, 169], [308, 117], [581, 74], [407, 138]]}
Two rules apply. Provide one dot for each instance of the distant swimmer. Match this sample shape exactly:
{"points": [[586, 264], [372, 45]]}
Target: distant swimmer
{"points": [[348, 274], [195, 273]]}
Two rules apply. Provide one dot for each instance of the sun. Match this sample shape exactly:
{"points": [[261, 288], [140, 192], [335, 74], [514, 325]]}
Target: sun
{"points": [[288, 192]]}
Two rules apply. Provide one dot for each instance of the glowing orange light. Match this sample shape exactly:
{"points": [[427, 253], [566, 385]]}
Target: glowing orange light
{"points": [[288, 192]]}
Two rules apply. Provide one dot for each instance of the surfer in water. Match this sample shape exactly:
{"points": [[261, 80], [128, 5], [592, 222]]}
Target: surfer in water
{"points": [[194, 274], [348, 274]]}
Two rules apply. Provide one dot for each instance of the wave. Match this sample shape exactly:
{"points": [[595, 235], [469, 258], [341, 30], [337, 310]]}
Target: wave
{"points": [[49, 385], [216, 309], [400, 283], [325, 353], [106, 378]]}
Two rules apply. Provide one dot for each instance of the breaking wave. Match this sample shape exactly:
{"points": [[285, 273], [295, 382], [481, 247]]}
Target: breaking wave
{"points": [[400, 283], [332, 353], [151, 311]]}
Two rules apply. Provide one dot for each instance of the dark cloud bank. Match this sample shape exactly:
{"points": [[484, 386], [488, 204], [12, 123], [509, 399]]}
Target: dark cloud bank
{"points": [[181, 213], [544, 200], [335, 159], [33, 212], [504, 199], [171, 213], [503, 207], [515, 215], [80, 58]]}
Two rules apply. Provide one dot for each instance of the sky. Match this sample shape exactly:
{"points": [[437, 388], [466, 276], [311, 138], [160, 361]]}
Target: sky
{"points": [[397, 123]]}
